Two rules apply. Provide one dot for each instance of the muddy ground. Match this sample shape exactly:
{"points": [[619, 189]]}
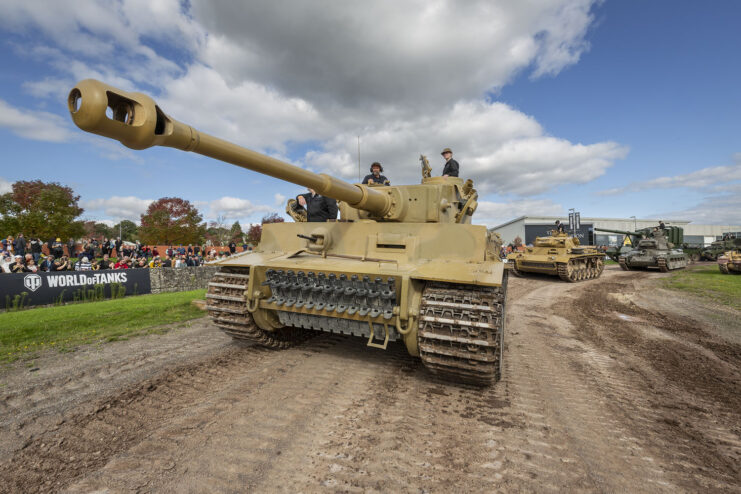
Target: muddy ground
{"points": [[610, 385]]}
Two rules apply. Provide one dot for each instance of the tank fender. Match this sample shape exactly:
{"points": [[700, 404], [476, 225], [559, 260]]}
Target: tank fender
{"points": [[484, 273]]}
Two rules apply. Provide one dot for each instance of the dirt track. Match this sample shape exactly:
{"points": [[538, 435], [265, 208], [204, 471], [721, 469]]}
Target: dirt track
{"points": [[604, 391]]}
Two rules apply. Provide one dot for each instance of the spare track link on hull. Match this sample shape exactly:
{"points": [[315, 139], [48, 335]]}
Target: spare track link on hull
{"points": [[661, 262], [227, 307], [589, 268], [461, 330]]}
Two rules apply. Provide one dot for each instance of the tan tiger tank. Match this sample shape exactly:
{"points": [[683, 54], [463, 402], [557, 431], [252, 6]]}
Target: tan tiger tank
{"points": [[402, 263], [560, 255]]}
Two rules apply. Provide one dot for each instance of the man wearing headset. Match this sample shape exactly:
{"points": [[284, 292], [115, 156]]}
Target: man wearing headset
{"points": [[375, 176]]}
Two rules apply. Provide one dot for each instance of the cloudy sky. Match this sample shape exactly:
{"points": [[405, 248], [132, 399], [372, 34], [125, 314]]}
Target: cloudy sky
{"points": [[617, 108]]}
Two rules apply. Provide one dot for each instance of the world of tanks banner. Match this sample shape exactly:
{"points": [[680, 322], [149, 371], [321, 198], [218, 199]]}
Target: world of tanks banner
{"points": [[29, 289]]}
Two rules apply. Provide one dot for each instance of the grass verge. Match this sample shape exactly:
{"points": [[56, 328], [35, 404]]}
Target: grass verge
{"points": [[708, 282], [26, 333]]}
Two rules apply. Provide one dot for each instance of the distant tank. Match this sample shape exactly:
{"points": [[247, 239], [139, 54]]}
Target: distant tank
{"points": [[630, 239], [718, 247], [654, 250], [730, 262], [560, 255], [403, 262]]}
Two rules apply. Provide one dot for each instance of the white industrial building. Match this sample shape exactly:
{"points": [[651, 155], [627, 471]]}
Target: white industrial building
{"points": [[529, 227]]}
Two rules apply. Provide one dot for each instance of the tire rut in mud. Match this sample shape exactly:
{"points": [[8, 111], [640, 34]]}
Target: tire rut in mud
{"points": [[671, 380], [85, 441]]}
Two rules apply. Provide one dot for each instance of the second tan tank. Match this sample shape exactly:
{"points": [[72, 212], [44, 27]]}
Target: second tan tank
{"points": [[559, 255]]}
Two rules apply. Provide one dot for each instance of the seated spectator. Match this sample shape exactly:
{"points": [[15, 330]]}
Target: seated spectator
{"points": [[83, 265], [95, 266], [156, 262], [45, 265], [17, 266], [5, 261], [167, 263], [62, 264], [142, 263], [123, 263], [105, 263], [31, 267]]}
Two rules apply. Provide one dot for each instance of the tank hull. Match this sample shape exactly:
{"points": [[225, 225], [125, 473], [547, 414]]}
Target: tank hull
{"points": [[663, 261], [429, 286]]}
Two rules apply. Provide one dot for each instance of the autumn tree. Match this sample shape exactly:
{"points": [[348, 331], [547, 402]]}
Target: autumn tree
{"points": [[236, 232], [255, 232], [97, 230], [41, 209], [126, 229], [171, 221]]}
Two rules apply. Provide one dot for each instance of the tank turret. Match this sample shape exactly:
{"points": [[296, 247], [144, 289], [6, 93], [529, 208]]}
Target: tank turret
{"points": [[139, 123], [404, 264]]}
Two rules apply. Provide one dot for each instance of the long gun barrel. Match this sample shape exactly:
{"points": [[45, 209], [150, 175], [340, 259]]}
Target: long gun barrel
{"points": [[138, 123], [623, 232]]}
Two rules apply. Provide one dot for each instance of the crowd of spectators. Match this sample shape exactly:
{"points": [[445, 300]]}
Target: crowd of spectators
{"points": [[21, 255]]}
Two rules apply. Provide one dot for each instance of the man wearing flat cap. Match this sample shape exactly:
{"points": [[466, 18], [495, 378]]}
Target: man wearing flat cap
{"points": [[451, 166]]}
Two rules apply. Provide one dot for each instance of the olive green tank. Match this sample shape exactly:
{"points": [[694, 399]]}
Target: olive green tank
{"points": [[403, 262], [719, 247], [730, 262], [560, 255]]}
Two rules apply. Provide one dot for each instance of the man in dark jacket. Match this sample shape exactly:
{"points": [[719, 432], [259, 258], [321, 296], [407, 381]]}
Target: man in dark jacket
{"points": [[319, 208], [19, 245], [375, 176], [451, 166], [36, 245]]}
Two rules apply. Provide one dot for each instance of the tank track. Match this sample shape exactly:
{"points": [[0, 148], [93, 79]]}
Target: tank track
{"points": [[623, 263], [587, 270], [227, 306], [461, 331], [724, 268]]}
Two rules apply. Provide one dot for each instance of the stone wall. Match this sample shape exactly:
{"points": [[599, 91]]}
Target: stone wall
{"points": [[180, 279]]}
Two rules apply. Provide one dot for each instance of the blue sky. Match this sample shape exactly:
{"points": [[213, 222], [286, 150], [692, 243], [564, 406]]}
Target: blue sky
{"points": [[617, 109]]}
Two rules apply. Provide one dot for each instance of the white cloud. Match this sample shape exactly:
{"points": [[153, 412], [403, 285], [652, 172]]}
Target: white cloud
{"points": [[235, 208], [720, 209], [718, 176], [495, 213], [502, 149], [36, 125], [246, 113], [280, 199], [408, 77], [5, 186], [388, 52], [118, 208]]}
